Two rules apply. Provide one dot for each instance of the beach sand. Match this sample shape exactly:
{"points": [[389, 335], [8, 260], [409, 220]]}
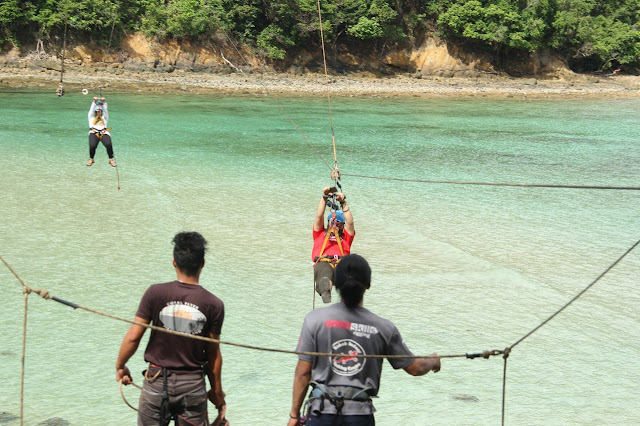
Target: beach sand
{"points": [[238, 83]]}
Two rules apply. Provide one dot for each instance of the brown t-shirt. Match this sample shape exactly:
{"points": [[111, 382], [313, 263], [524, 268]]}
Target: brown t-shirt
{"points": [[186, 308]]}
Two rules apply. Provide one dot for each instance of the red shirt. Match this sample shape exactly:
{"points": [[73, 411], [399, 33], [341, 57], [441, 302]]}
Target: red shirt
{"points": [[331, 248]]}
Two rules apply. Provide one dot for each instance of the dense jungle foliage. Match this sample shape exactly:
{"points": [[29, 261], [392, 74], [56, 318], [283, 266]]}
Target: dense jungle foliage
{"points": [[591, 34]]}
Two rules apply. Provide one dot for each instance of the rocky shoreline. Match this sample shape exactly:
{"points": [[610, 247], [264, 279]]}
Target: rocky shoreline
{"points": [[145, 77]]}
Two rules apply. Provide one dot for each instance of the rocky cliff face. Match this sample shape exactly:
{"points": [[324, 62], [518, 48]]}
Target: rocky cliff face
{"points": [[432, 57]]}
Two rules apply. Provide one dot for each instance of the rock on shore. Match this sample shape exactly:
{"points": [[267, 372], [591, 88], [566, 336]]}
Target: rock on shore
{"points": [[135, 75]]}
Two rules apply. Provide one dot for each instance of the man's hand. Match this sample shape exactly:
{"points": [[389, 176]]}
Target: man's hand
{"points": [[294, 422], [435, 366], [102, 99], [222, 412], [124, 374], [340, 197], [95, 98]]}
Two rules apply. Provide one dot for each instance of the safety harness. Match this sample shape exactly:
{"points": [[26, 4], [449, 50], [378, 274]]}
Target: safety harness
{"points": [[99, 133], [165, 410], [335, 395]]}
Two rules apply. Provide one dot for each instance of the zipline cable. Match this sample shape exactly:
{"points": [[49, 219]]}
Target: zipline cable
{"points": [[64, 42], [326, 74], [629, 250], [264, 86], [524, 185]]}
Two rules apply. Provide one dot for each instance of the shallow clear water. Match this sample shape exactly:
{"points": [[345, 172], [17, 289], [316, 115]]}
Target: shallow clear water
{"points": [[457, 268]]}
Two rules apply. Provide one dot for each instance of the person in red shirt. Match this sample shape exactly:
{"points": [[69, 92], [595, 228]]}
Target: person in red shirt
{"points": [[326, 260]]}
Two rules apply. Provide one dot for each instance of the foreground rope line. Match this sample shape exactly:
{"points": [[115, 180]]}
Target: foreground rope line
{"points": [[46, 295], [485, 354], [525, 185], [122, 393]]}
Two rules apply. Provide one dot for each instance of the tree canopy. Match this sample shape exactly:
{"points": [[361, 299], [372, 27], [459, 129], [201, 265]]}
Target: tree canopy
{"points": [[589, 34]]}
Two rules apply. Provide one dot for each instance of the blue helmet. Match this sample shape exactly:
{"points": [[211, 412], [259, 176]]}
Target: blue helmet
{"points": [[339, 217]]}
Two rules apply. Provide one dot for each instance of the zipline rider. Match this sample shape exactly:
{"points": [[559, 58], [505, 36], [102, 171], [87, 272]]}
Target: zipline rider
{"points": [[98, 131], [327, 250]]}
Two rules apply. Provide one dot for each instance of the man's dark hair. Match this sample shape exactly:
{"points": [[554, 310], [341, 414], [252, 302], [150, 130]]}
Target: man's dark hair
{"points": [[188, 252], [353, 277]]}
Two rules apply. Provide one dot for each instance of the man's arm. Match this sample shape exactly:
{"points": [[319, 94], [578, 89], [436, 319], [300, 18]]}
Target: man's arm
{"points": [[318, 223], [128, 348], [92, 113], [301, 381], [422, 366], [214, 372], [348, 225]]}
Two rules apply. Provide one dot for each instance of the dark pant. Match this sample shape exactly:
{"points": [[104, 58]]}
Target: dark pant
{"points": [[187, 399], [335, 420], [93, 144], [324, 277]]}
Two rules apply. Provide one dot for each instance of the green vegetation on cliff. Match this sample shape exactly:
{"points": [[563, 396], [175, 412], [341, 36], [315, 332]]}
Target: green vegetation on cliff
{"points": [[590, 34]]}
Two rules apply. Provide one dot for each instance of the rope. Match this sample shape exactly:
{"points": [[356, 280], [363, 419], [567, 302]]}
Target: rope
{"points": [[577, 296], [117, 173], [122, 394], [64, 42], [526, 185], [266, 89], [326, 74], [504, 384], [24, 347], [45, 295]]}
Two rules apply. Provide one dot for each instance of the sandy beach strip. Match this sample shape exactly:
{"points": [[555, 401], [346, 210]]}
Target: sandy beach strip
{"points": [[492, 86]]}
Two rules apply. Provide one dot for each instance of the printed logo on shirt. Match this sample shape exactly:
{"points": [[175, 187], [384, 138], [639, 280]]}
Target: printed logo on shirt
{"points": [[183, 317], [347, 365], [360, 330]]}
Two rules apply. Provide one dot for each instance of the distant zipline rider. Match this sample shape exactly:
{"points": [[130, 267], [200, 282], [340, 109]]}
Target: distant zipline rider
{"points": [[98, 131], [332, 242]]}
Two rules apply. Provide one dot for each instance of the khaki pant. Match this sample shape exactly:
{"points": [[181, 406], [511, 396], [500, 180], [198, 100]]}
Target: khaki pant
{"points": [[187, 399]]}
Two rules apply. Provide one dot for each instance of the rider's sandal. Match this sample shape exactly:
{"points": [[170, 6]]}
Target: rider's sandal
{"points": [[90, 162], [113, 163]]}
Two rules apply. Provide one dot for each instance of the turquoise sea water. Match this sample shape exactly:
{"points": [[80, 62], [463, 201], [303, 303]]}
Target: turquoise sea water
{"points": [[457, 268]]}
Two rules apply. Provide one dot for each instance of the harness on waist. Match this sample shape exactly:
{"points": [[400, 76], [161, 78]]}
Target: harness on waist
{"points": [[336, 395], [166, 413], [99, 132], [165, 410]]}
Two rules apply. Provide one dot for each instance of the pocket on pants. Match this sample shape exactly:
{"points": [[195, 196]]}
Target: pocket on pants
{"points": [[194, 402]]}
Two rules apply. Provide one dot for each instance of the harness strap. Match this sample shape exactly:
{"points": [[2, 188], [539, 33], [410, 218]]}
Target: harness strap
{"points": [[165, 410], [332, 230], [336, 395]]}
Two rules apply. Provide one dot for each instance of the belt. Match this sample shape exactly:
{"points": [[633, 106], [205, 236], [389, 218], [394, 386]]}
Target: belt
{"points": [[327, 258], [179, 371]]}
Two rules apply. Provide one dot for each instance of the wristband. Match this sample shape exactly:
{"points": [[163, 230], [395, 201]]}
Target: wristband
{"points": [[293, 417]]}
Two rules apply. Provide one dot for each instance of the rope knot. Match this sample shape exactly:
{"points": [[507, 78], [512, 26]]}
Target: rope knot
{"points": [[506, 352], [44, 294], [26, 290]]}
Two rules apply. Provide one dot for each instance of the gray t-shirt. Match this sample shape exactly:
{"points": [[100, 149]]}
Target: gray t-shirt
{"points": [[354, 331]]}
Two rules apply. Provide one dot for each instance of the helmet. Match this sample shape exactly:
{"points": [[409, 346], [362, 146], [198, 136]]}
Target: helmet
{"points": [[339, 216]]}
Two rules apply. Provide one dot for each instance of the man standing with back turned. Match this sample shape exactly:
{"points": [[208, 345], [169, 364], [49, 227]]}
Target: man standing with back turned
{"points": [[174, 385]]}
